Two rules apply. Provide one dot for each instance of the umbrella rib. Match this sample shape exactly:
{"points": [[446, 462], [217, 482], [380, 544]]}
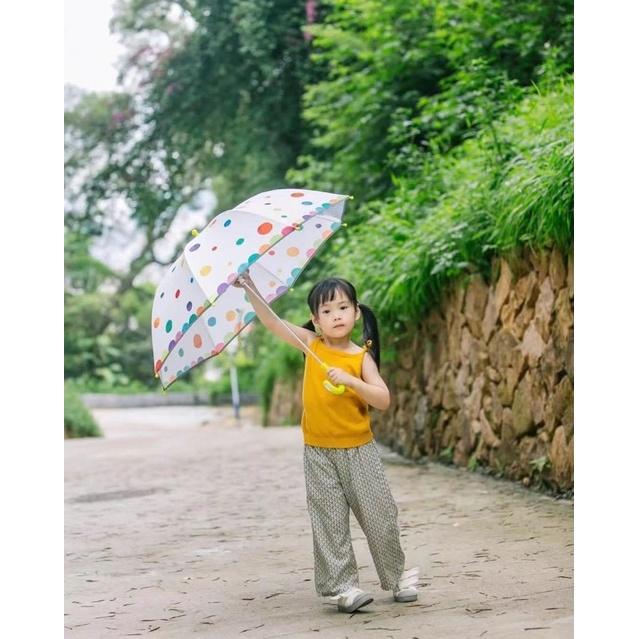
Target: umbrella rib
{"points": [[257, 263]]}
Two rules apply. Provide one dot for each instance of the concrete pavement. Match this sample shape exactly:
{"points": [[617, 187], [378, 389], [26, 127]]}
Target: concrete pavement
{"points": [[180, 522]]}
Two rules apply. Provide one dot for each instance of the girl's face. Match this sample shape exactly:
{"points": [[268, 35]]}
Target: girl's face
{"points": [[337, 317]]}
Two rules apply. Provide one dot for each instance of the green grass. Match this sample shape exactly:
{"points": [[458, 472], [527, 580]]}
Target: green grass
{"points": [[78, 421]]}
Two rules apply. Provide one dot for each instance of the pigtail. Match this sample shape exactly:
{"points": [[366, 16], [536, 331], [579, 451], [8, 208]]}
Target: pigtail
{"points": [[311, 327], [370, 333]]}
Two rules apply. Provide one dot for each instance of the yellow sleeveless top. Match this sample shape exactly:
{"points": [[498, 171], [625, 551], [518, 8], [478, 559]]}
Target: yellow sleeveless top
{"points": [[328, 420]]}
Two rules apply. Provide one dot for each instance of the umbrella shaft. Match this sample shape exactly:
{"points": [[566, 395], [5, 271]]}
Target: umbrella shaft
{"points": [[306, 348]]}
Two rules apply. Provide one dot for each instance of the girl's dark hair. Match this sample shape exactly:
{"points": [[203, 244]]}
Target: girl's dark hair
{"points": [[325, 291]]}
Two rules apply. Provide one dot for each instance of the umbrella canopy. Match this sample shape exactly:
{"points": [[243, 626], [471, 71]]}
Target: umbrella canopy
{"points": [[197, 311]]}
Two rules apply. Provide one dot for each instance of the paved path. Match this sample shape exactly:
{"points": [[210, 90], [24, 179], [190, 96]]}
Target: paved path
{"points": [[182, 523]]}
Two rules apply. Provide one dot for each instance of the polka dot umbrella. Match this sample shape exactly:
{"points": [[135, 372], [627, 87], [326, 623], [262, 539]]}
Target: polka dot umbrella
{"points": [[197, 311]]}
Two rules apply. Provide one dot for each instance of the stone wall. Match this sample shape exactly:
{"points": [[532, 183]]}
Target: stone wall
{"points": [[487, 379]]}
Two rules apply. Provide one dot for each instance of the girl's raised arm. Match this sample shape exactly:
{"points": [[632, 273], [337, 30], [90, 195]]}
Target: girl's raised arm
{"points": [[269, 318]]}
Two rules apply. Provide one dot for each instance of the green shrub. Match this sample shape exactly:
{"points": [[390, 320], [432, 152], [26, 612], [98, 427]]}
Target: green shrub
{"points": [[510, 186], [78, 421]]}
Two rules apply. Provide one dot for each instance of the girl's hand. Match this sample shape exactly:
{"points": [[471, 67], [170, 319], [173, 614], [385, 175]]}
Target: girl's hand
{"points": [[337, 376], [242, 280]]}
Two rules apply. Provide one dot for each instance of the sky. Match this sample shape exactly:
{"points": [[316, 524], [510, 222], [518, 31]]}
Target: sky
{"points": [[90, 51]]}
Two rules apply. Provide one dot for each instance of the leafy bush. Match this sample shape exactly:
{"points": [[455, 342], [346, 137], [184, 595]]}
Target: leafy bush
{"points": [[78, 421], [511, 185]]}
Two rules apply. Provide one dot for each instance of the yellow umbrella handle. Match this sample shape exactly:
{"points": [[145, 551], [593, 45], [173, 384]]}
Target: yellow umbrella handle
{"points": [[336, 390]]}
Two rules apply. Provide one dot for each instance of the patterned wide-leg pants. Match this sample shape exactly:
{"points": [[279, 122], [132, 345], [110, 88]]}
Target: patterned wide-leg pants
{"points": [[339, 480]]}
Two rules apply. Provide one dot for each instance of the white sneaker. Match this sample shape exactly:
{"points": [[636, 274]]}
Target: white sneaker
{"points": [[352, 599], [406, 589]]}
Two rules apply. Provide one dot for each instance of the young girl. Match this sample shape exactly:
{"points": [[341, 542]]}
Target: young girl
{"points": [[342, 466]]}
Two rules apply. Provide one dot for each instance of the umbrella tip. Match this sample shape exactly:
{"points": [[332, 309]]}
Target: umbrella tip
{"points": [[350, 197], [194, 232]]}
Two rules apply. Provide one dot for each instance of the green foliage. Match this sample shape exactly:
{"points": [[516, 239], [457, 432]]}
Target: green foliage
{"points": [[246, 377], [470, 204], [540, 469], [446, 455], [473, 463], [78, 421], [106, 338], [410, 77]]}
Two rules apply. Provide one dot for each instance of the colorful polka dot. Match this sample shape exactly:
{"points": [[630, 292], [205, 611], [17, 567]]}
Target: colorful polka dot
{"points": [[240, 241], [211, 321], [297, 194], [177, 293], [189, 306], [264, 228], [156, 322], [195, 247], [168, 327], [230, 316], [197, 341], [292, 251], [205, 270], [227, 223]]}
